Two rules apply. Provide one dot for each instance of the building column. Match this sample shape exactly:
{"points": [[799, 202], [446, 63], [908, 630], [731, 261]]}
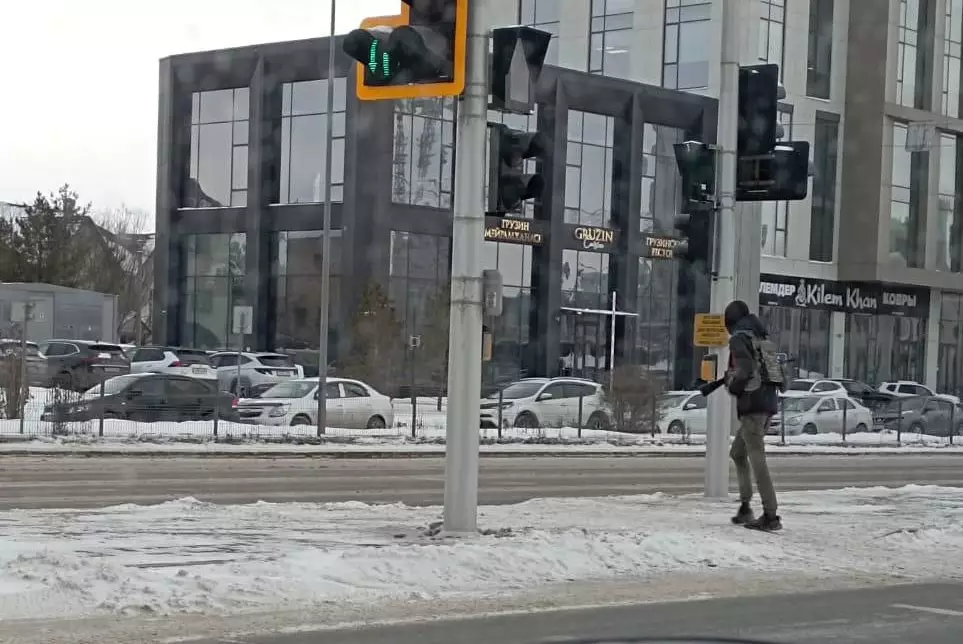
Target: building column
{"points": [[257, 256], [837, 345], [933, 339]]}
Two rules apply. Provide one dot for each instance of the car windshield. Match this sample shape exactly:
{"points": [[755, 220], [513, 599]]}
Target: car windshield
{"points": [[192, 357], [293, 389], [799, 405], [668, 401], [800, 385], [113, 385], [519, 390], [275, 361]]}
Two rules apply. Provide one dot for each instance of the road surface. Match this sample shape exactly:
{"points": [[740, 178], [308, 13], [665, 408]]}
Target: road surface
{"points": [[76, 482], [930, 613]]}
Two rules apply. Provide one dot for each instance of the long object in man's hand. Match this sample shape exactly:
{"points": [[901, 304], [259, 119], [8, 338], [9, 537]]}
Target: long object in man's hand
{"points": [[710, 387]]}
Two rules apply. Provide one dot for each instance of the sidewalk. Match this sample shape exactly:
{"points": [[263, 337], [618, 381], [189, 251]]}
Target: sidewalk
{"points": [[191, 557]]}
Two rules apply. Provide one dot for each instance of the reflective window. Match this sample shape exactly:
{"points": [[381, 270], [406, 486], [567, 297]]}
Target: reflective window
{"points": [[803, 334], [820, 52], [588, 169], [296, 293], [217, 174], [212, 283], [544, 15], [772, 32], [948, 222], [882, 348], [661, 191], [949, 372], [823, 213], [656, 325], [775, 214], [423, 157], [610, 45], [906, 204], [584, 336], [303, 135], [686, 48], [952, 52], [913, 57]]}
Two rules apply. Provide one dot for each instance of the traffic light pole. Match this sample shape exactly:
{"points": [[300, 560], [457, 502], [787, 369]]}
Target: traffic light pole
{"points": [[468, 234], [737, 252]]}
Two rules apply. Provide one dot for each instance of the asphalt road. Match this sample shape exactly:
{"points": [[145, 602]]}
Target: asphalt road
{"points": [[931, 613], [75, 482]]}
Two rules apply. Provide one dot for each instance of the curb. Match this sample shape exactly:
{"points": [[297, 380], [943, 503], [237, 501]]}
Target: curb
{"points": [[413, 454]]}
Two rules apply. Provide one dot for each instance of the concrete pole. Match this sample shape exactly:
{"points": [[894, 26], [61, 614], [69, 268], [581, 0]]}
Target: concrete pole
{"points": [[465, 337], [326, 240]]}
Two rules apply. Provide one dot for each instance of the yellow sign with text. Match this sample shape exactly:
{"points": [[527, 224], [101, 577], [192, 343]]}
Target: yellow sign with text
{"points": [[710, 330]]}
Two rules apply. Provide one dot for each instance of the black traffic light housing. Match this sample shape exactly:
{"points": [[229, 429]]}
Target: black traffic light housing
{"points": [[781, 176], [508, 184], [759, 95], [697, 166]]}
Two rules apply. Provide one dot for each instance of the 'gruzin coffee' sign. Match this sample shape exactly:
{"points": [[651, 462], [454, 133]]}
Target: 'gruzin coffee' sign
{"points": [[591, 238], [848, 297]]}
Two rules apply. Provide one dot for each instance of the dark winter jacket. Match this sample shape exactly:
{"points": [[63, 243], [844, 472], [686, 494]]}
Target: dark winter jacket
{"points": [[742, 362]]}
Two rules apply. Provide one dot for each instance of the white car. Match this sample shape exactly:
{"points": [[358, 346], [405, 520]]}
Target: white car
{"points": [[682, 412], [820, 414], [907, 388], [815, 387], [547, 402], [259, 368], [350, 404], [175, 361]]}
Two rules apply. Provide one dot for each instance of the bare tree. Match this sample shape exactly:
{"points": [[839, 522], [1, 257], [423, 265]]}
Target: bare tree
{"points": [[376, 340], [633, 398], [433, 365]]}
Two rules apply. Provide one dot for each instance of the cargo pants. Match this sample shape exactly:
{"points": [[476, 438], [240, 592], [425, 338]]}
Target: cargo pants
{"points": [[749, 451]]}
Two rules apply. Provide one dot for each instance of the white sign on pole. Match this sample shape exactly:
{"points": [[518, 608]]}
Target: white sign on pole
{"points": [[243, 320]]}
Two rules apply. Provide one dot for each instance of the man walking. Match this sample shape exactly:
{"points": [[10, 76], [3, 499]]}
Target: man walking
{"points": [[754, 378]]}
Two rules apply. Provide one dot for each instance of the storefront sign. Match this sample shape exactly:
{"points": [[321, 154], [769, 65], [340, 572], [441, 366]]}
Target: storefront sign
{"points": [[659, 246], [514, 231], [592, 238], [848, 297]]}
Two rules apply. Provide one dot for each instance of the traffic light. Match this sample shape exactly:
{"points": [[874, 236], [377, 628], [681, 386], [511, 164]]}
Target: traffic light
{"points": [[759, 96], [780, 176], [420, 53], [508, 183], [697, 166]]}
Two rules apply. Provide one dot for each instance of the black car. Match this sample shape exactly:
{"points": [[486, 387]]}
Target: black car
{"points": [[147, 397], [78, 365], [868, 395], [931, 415]]}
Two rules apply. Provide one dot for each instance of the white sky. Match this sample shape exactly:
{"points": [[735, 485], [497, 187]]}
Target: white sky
{"points": [[80, 82]]}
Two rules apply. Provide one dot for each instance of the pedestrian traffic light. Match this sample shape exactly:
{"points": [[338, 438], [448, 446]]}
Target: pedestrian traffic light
{"points": [[419, 53], [759, 96], [508, 183], [697, 167]]}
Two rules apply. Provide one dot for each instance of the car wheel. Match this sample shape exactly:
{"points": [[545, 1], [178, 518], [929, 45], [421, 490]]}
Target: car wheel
{"points": [[677, 427], [860, 428], [376, 422], [300, 419], [598, 421], [810, 429], [916, 428], [526, 420]]}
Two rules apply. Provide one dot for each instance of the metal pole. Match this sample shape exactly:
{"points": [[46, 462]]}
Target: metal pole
{"points": [[326, 239], [468, 231], [23, 385], [612, 346], [720, 408]]}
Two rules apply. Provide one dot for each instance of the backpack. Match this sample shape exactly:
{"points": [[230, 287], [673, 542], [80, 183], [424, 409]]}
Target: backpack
{"points": [[768, 369]]}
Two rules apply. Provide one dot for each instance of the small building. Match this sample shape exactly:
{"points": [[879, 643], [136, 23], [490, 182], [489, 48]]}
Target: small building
{"points": [[58, 312]]}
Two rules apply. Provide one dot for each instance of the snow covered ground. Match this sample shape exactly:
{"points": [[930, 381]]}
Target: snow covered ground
{"points": [[191, 557]]}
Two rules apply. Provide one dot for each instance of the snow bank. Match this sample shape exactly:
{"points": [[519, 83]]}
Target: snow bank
{"points": [[188, 556]]}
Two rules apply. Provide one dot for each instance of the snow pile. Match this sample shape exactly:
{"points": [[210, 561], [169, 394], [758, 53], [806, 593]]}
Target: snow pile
{"points": [[188, 556]]}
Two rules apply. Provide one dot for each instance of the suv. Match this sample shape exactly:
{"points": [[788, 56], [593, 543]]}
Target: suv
{"points": [[547, 402], [239, 372], [78, 365], [193, 363], [36, 366], [815, 386], [907, 388]]}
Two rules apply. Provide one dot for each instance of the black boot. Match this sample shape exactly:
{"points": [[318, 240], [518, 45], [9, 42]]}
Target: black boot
{"points": [[743, 515], [767, 523]]}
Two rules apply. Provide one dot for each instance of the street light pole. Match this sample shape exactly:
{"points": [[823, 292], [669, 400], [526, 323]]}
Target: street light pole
{"points": [[468, 234], [326, 238]]}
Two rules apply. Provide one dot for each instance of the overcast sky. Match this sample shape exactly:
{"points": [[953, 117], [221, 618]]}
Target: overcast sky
{"points": [[80, 82]]}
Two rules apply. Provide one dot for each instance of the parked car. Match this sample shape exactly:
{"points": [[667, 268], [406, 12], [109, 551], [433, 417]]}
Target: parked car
{"points": [[255, 369], [820, 415], [908, 388], [176, 361], [933, 415], [682, 412], [351, 404], [548, 402], [78, 365], [36, 365], [869, 396], [815, 386], [147, 397]]}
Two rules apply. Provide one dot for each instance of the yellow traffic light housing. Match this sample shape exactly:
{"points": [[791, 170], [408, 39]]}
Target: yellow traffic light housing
{"points": [[416, 54]]}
